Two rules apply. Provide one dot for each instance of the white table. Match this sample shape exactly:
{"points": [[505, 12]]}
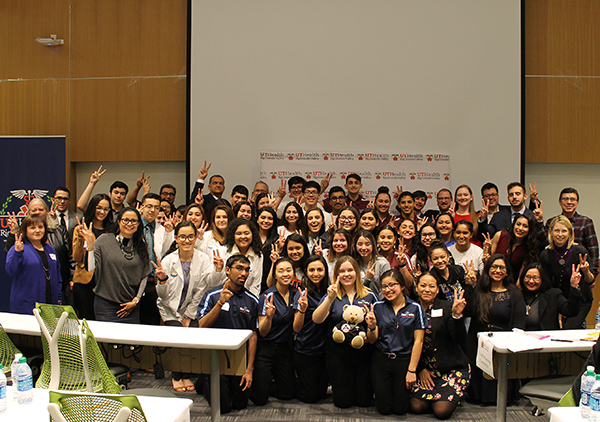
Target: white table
{"points": [[505, 343], [565, 414], [213, 339], [156, 409]]}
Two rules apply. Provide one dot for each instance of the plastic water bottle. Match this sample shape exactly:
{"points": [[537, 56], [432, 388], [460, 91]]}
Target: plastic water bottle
{"points": [[13, 369], [25, 382], [3, 398], [587, 383], [594, 414], [597, 327]]}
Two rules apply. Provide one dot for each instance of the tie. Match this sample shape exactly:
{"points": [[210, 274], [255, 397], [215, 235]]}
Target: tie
{"points": [[61, 219]]}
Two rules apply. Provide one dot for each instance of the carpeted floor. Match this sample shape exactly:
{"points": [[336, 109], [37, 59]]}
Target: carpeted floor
{"points": [[295, 410]]}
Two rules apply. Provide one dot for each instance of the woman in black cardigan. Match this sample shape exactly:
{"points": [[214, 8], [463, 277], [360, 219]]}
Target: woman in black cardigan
{"points": [[544, 303], [443, 371], [559, 260]]}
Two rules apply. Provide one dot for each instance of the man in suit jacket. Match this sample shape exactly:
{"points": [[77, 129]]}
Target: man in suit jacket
{"points": [[216, 187], [491, 206], [444, 201], [61, 199]]}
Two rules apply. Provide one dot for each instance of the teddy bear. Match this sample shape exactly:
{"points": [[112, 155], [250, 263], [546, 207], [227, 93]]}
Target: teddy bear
{"points": [[352, 328]]}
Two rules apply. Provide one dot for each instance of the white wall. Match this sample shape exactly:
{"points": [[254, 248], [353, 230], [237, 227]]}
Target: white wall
{"points": [[160, 172]]}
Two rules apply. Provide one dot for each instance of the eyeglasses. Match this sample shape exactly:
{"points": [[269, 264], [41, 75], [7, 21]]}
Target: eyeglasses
{"points": [[532, 277], [150, 207], [389, 286], [337, 198], [62, 199], [165, 193], [490, 195], [498, 267], [183, 237], [99, 208], [242, 269], [346, 219], [428, 234], [311, 193], [569, 199], [127, 221]]}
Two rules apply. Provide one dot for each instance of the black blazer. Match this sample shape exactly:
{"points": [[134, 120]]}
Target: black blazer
{"points": [[554, 269], [553, 302], [448, 336]]}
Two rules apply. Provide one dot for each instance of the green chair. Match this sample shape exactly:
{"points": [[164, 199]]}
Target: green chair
{"points": [[7, 350], [84, 407], [72, 358]]}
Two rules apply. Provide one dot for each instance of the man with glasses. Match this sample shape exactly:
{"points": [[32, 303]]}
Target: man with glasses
{"points": [[583, 227], [231, 306], [158, 240], [311, 194], [295, 186], [336, 201], [444, 200], [491, 205], [61, 199]]}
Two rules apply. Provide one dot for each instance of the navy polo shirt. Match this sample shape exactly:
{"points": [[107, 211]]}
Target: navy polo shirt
{"points": [[337, 307], [311, 339], [281, 324], [240, 311], [396, 331]]}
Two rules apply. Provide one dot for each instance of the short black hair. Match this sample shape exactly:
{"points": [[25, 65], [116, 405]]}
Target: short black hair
{"points": [[354, 176], [241, 189], [151, 195], [168, 186], [63, 188], [515, 184], [311, 184], [336, 189], [445, 189], [568, 190], [295, 180], [215, 175], [120, 185], [487, 186], [419, 194], [233, 259]]}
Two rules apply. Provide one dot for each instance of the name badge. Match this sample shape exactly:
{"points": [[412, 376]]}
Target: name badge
{"points": [[436, 313], [52, 256], [225, 306]]}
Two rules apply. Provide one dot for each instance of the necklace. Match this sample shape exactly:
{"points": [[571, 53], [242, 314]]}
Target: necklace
{"points": [[561, 261], [128, 251]]}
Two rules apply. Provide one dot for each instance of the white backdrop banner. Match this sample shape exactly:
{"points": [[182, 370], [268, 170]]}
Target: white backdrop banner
{"points": [[427, 172]]}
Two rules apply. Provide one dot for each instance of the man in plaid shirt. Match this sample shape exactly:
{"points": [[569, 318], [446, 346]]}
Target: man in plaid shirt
{"points": [[583, 226]]}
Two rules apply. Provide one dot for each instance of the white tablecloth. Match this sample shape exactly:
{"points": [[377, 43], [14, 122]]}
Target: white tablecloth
{"points": [[565, 414], [156, 409]]}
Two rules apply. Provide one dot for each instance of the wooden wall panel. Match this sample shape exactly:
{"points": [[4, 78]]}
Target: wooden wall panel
{"points": [[128, 120], [21, 22], [562, 120], [562, 37], [129, 38], [34, 107]]}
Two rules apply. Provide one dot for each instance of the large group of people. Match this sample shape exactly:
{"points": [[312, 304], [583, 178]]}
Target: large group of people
{"points": [[289, 264]]}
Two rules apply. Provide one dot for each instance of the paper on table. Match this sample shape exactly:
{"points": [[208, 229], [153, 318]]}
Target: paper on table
{"points": [[485, 356]]}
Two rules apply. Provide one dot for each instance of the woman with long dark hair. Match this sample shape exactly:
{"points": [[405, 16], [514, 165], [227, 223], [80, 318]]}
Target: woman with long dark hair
{"points": [[292, 221], [266, 221], [97, 213], [348, 220], [423, 241], [121, 264], [371, 264], [309, 345], [314, 230], [445, 225], [341, 244], [382, 203], [519, 245]]}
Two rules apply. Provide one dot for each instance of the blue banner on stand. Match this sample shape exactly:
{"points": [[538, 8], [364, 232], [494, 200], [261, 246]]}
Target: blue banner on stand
{"points": [[30, 167]]}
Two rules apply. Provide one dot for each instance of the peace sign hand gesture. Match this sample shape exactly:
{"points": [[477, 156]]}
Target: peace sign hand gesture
{"points": [[401, 253], [19, 245], [13, 223], [459, 304], [370, 318], [201, 230], [332, 289], [302, 301], [281, 189], [204, 171], [398, 193], [318, 250], [533, 193], [538, 213], [274, 254], [417, 273], [484, 211], [575, 276], [470, 275], [96, 175], [160, 272], [371, 203], [452, 209], [218, 261], [199, 199], [370, 273], [87, 234], [584, 265], [269, 307], [325, 182]]}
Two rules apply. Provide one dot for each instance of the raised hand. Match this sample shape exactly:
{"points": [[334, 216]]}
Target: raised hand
{"points": [[204, 171], [533, 193], [280, 242], [371, 203], [487, 243], [169, 223], [401, 253], [281, 189], [140, 181], [370, 317], [160, 272], [274, 253], [272, 200], [13, 223], [325, 182], [370, 273], [87, 234], [19, 246], [52, 211], [584, 265], [146, 186], [575, 276], [96, 175], [452, 209], [302, 300], [470, 275], [332, 289], [269, 307], [417, 273], [199, 198], [421, 222], [425, 379], [459, 304], [202, 230], [225, 295], [218, 261], [538, 213], [318, 250], [484, 211], [398, 193]]}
